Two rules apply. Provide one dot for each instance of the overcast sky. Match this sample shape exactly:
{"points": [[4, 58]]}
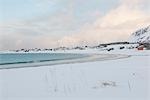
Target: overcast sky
{"points": [[53, 23]]}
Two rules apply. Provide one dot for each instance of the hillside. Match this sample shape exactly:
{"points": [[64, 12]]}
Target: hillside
{"points": [[141, 35]]}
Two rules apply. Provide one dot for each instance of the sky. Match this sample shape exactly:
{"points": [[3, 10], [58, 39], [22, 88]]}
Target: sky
{"points": [[55, 23]]}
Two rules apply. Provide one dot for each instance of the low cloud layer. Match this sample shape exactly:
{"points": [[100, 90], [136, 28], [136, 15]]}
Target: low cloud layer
{"points": [[62, 29], [116, 25]]}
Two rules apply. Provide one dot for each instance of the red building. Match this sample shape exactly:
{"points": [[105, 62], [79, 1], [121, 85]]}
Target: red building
{"points": [[141, 47]]}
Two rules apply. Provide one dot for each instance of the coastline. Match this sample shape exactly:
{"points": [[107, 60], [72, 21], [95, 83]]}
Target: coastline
{"points": [[126, 79], [84, 59]]}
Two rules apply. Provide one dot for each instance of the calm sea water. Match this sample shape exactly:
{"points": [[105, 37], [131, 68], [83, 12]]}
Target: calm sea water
{"points": [[25, 58]]}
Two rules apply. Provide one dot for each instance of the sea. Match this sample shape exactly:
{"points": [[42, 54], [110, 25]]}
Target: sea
{"points": [[18, 60]]}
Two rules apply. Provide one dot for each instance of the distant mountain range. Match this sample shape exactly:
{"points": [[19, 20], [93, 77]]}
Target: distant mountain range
{"points": [[141, 35]]}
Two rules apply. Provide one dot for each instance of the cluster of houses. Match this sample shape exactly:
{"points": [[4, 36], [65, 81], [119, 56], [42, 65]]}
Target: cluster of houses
{"points": [[122, 45]]}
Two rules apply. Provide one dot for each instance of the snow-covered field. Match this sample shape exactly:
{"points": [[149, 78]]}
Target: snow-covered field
{"points": [[115, 79]]}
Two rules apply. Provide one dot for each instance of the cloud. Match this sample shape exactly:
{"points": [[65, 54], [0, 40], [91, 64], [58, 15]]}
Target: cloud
{"points": [[116, 25], [63, 29], [42, 32]]}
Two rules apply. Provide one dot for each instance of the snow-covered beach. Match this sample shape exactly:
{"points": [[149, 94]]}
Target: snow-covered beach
{"points": [[74, 49], [111, 71], [126, 78]]}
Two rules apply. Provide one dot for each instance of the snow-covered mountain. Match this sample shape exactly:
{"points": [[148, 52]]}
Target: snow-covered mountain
{"points": [[141, 35]]}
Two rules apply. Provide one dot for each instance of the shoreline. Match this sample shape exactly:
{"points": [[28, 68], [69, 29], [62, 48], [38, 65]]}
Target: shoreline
{"points": [[85, 59], [125, 77]]}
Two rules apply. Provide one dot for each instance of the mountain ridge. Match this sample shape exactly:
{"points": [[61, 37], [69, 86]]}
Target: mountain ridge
{"points": [[141, 36]]}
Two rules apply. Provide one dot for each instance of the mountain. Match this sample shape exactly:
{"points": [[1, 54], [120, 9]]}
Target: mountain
{"points": [[141, 35]]}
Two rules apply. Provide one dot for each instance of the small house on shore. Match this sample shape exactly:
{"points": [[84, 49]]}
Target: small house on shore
{"points": [[143, 46]]}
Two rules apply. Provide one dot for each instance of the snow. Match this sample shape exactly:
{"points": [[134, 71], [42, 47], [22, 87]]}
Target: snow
{"points": [[142, 35], [114, 79]]}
